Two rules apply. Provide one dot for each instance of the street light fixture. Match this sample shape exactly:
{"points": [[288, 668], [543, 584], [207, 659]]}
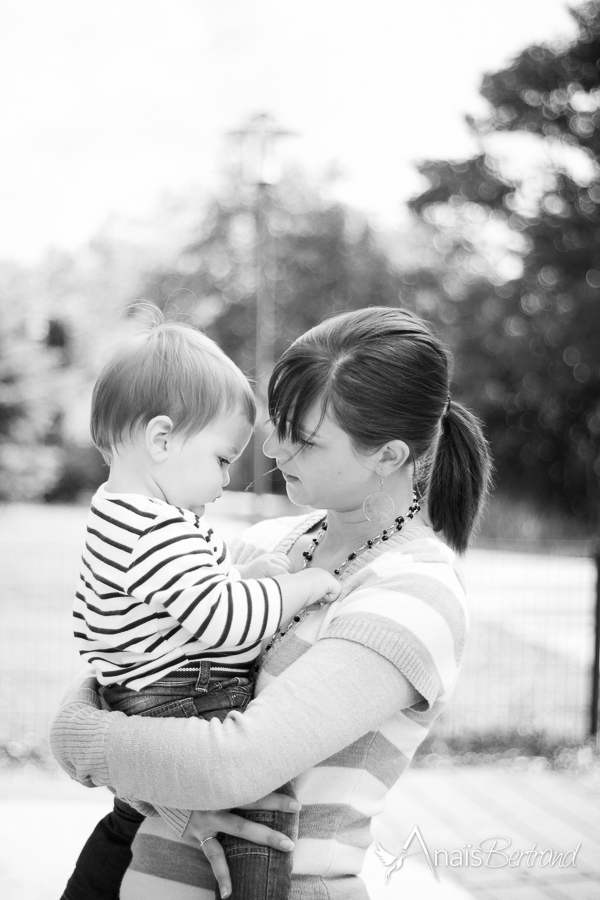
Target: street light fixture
{"points": [[259, 168]]}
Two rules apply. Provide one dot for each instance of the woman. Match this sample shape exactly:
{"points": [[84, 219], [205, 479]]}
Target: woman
{"points": [[363, 424]]}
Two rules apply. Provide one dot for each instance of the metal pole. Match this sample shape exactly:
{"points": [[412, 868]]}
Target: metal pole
{"points": [[595, 703], [264, 343], [258, 167]]}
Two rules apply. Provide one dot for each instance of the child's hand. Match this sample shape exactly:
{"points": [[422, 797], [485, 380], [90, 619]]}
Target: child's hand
{"points": [[266, 566], [326, 588], [305, 588]]}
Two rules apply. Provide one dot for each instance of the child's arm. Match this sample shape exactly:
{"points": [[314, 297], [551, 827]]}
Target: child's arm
{"points": [[175, 567], [298, 590]]}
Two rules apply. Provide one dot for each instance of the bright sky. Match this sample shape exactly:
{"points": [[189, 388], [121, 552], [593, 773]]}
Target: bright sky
{"points": [[107, 104]]}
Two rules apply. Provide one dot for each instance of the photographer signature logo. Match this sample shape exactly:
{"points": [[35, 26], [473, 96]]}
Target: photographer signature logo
{"points": [[392, 862], [493, 852]]}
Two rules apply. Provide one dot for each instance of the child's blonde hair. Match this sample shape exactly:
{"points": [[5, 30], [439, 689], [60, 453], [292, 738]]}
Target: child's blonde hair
{"points": [[170, 369]]}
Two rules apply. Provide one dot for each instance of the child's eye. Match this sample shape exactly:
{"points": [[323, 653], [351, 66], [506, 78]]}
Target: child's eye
{"points": [[224, 462], [305, 444]]}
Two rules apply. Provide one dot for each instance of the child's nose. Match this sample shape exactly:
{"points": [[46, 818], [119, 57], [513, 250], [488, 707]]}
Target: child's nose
{"points": [[226, 478]]}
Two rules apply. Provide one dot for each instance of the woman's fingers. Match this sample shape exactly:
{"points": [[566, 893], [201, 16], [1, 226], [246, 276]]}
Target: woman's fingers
{"points": [[253, 831], [280, 802], [218, 863], [283, 560]]}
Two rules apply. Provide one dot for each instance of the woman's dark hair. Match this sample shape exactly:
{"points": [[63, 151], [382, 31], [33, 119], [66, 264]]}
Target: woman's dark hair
{"points": [[383, 375]]}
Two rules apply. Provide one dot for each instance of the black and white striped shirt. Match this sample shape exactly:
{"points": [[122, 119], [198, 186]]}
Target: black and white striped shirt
{"points": [[156, 591]]}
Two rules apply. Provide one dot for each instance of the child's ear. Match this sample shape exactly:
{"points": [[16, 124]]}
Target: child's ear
{"points": [[156, 435]]}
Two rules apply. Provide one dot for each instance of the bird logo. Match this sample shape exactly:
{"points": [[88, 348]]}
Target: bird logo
{"points": [[392, 863]]}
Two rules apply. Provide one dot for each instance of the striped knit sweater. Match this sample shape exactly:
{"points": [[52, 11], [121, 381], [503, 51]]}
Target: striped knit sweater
{"points": [[156, 590], [326, 714]]}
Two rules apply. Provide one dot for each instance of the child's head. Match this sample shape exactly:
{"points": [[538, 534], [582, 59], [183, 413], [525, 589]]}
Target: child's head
{"points": [[170, 380]]}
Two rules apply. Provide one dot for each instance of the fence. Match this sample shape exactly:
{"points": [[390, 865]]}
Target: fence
{"points": [[529, 661], [530, 665]]}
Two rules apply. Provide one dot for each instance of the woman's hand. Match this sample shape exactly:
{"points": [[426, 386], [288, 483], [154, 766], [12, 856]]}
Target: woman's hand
{"points": [[204, 825]]}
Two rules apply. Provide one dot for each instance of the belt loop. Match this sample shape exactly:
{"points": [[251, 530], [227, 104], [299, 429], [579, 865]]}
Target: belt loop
{"points": [[203, 676]]}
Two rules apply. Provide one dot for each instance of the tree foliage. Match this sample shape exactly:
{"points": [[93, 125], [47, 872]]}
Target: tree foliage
{"points": [[30, 410], [529, 345], [321, 257]]}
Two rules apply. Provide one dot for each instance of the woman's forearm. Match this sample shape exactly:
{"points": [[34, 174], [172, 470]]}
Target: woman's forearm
{"points": [[331, 696]]}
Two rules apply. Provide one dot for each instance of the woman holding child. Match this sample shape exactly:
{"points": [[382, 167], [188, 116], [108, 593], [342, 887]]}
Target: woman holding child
{"points": [[364, 428]]}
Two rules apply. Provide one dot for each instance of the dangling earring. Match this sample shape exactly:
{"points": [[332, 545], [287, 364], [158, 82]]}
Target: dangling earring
{"points": [[379, 507]]}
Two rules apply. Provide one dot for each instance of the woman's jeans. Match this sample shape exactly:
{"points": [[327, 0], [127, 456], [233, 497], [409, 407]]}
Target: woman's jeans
{"points": [[257, 872]]}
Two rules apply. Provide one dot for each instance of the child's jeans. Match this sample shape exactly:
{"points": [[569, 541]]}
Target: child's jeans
{"points": [[257, 872]]}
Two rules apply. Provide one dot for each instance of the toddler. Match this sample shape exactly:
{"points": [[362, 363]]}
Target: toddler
{"points": [[170, 627]]}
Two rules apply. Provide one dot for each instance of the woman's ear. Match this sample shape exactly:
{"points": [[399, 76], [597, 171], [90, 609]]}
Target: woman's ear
{"points": [[392, 456], [156, 435]]}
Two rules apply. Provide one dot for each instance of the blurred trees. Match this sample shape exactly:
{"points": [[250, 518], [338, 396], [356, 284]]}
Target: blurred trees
{"points": [[504, 256], [30, 410], [57, 319], [321, 257], [526, 324]]}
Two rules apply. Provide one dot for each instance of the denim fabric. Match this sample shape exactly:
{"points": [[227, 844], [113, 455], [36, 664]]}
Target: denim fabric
{"points": [[257, 872], [180, 698], [263, 870]]}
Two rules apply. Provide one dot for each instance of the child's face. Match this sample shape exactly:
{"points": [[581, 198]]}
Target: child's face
{"points": [[197, 467]]}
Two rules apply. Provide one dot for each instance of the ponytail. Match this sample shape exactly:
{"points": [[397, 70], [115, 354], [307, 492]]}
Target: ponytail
{"points": [[460, 476]]}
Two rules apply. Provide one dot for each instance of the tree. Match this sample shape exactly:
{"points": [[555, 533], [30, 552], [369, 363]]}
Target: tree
{"points": [[529, 342], [322, 257], [30, 410], [57, 320]]}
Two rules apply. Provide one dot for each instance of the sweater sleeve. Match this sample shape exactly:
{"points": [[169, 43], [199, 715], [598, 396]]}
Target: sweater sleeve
{"points": [[82, 701], [335, 693], [175, 567]]}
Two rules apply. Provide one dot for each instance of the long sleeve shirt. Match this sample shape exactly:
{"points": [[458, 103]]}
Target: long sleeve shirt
{"points": [[157, 590]]}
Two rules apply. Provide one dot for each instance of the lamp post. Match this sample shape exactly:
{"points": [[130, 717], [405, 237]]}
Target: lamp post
{"points": [[259, 168]]}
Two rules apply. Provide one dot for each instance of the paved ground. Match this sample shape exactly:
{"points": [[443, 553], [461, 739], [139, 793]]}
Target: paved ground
{"points": [[45, 818], [457, 808]]}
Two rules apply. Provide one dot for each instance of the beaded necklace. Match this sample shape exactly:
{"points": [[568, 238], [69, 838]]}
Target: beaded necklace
{"points": [[384, 535]]}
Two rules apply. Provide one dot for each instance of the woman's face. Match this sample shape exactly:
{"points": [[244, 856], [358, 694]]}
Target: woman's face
{"points": [[323, 470]]}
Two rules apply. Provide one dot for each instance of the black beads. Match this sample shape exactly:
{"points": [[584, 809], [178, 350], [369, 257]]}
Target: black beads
{"points": [[373, 542]]}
